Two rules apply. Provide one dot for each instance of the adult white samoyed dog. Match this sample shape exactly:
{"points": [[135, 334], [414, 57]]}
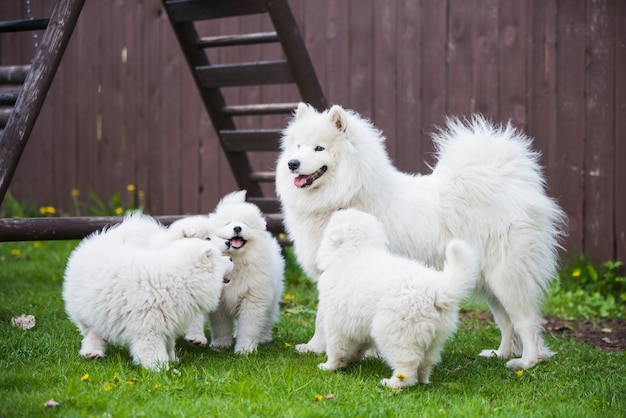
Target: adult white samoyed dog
{"points": [[369, 297], [487, 189], [142, 298], [251, 299]]}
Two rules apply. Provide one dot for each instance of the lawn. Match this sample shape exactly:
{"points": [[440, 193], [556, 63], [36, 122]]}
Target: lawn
{"points": [[42, 364]]}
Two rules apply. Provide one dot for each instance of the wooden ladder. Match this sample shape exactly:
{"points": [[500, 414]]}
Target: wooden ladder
{"points": [[296, 68]]}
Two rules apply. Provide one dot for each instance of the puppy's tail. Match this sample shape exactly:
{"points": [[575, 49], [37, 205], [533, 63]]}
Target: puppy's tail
{"points": [[460, 275]]}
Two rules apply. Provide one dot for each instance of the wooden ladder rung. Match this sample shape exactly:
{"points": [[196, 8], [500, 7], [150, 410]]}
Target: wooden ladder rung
{"points": [[8, 99], [244, 140], [184, 11], [236, 40], [13, 74], [260, 109], [263, 176], [266, 204], [246, 74], [23, 25]]}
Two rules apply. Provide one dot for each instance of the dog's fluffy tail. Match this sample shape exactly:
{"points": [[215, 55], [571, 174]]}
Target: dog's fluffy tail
{"points": [[460, 275]]}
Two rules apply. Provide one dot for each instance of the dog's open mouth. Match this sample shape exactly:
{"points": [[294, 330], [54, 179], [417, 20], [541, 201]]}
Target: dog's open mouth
{"points": [[303, 181], [236, 243]]}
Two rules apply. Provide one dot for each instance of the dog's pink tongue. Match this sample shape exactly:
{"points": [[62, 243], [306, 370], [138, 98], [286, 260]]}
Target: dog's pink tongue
{"points": [[300, 181], [236, 242]]}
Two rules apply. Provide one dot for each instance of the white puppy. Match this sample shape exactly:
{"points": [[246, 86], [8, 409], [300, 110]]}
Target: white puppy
{"points": [[138, 297], [370, 297], [487, 188], [256, 282]]}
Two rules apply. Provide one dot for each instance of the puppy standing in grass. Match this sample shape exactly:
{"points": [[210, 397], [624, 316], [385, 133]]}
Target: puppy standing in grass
{"points": [[370, 297], [251, 300], [140, 297]]}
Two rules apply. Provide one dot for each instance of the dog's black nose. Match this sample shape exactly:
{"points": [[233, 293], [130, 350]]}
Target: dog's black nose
{"points": [[237, 229], [293, 164]]}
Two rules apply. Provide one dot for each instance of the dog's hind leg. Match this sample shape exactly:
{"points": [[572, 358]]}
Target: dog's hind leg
{"points": [[221, 328], [506, 330], [317, 344], [93, 345], [150, 351], [195, 331]]}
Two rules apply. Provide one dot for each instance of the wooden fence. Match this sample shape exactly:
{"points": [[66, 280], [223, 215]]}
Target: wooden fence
{"points": [[123, 108]]}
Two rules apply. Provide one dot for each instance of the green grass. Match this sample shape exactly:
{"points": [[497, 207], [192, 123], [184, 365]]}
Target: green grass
{"points": [[43, 363]]}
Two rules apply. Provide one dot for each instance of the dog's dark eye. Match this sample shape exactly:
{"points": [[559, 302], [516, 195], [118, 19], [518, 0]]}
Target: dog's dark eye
{"points": [[208, 238], [318, 148]]}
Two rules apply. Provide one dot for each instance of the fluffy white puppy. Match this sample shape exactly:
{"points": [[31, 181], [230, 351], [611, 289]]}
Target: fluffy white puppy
{"points": [[139, 297], [487, 189], [251, 300], [370, 297]]}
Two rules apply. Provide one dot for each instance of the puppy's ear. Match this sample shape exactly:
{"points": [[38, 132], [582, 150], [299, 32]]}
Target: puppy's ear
{"points": [[190, 232], [338, 117], [207, 253], [301, 110]]}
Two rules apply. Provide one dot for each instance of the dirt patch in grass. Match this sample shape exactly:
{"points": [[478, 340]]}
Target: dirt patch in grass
{"points": [[606, 334]]}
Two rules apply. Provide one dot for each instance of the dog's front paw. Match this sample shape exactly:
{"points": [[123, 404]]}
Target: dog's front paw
{"points": [[520, 363], [199, 340], [245, 348], [327, 367], [308, 348], [490, 353], [92, 354]]}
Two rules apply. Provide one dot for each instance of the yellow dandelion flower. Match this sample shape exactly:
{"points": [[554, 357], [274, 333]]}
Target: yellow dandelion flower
{"points": [[141, 193], [319, 398], [158, 385], [75, 192], [42, 210], [288, 297], [288, 345], [15, 252], [106, 387], [519, 373], [131, 380], [116, 378], [37, 244], [130, 187], [85, 377], [281, 235], [401, 376], [119, 211], [576, 273], [394, 390], [50, 210]]}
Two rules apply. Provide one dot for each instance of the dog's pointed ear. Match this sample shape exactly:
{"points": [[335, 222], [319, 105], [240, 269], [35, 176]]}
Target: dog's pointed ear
{"points": [[233, 197], [338, 117], [301, 110], [207, 253]]}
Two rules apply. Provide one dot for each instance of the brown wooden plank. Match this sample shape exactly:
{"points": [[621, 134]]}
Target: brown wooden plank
{"points": [[542, 77], [337, 65], [384, 67], [512, 52], [13, 74], [236, 40], [360, 64], [432, 79], [251, 140], [246, 74], [460, 60], [485, 39], [566, 182], [599, 152], [620, 131], [260, 109], [183, 11]]}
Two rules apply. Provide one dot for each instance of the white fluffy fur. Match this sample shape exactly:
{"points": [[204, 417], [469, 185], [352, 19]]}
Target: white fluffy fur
{"points": [[486, 188], [256, 282], [370, 297], [138, 297]]}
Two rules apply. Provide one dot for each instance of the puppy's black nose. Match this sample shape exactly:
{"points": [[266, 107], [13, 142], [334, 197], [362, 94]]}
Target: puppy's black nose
{"points": [[293, 164], [237, 229]]}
